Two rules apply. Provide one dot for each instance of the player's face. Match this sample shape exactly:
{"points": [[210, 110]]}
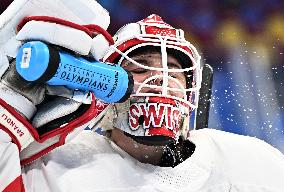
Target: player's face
{"points": [[155, 60], [147, 153]]}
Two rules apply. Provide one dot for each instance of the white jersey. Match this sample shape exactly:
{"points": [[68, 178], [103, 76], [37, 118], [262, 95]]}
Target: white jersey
{"points": [[222, 162]]}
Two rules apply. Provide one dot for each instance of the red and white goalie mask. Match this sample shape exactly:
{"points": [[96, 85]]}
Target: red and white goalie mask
{"points": [[167, 79]]}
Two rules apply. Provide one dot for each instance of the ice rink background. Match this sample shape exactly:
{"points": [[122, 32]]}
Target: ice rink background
{"points": [[243, 41]]}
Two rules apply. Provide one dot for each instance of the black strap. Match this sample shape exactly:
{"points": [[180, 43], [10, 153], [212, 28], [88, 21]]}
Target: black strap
{"points": [[176, 153], [53, 64]]}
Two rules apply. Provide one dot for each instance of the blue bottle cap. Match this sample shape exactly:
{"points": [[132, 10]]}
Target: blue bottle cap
{"points": [[37, 61]]}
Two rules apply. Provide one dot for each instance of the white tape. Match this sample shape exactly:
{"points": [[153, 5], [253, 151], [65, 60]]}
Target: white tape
{"points": [[26, 57]]}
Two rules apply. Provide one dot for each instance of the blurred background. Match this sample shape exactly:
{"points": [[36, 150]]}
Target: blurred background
{"points": [[243, 41]]}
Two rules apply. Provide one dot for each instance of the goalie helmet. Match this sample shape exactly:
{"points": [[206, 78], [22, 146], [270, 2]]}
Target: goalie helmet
{"points": [[157, 113]]}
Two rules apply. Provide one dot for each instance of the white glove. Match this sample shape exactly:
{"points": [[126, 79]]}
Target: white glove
{"points": [[81, 12], [35, 121], [38, 117], [82, 39]]}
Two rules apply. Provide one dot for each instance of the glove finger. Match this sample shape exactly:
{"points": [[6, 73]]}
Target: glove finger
{"points": [[54, 109], [62, 91]]}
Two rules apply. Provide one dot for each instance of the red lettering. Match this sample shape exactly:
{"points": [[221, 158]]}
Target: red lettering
{"points": [[133, 117], [3, 115], [19, 132], [145, 114], [156, 115], [169, 117], [156, 118], [12, 124]]}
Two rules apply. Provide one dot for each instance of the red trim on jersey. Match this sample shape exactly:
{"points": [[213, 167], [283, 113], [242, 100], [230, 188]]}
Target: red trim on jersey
{"points": [[16, 185]]}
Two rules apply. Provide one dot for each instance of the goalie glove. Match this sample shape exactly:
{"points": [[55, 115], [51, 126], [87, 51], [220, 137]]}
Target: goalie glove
{"points": [[88, 40], [38, 123], [57, 22], [38, 117]]}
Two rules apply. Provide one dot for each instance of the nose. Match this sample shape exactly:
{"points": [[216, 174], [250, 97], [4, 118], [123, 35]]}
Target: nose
{"points": [[155, 79], [158, 80], [171, 84]]}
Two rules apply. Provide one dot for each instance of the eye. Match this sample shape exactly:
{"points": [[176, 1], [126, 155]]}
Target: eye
{"points": [[138, 70], [173, 75], [177, 75]]}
